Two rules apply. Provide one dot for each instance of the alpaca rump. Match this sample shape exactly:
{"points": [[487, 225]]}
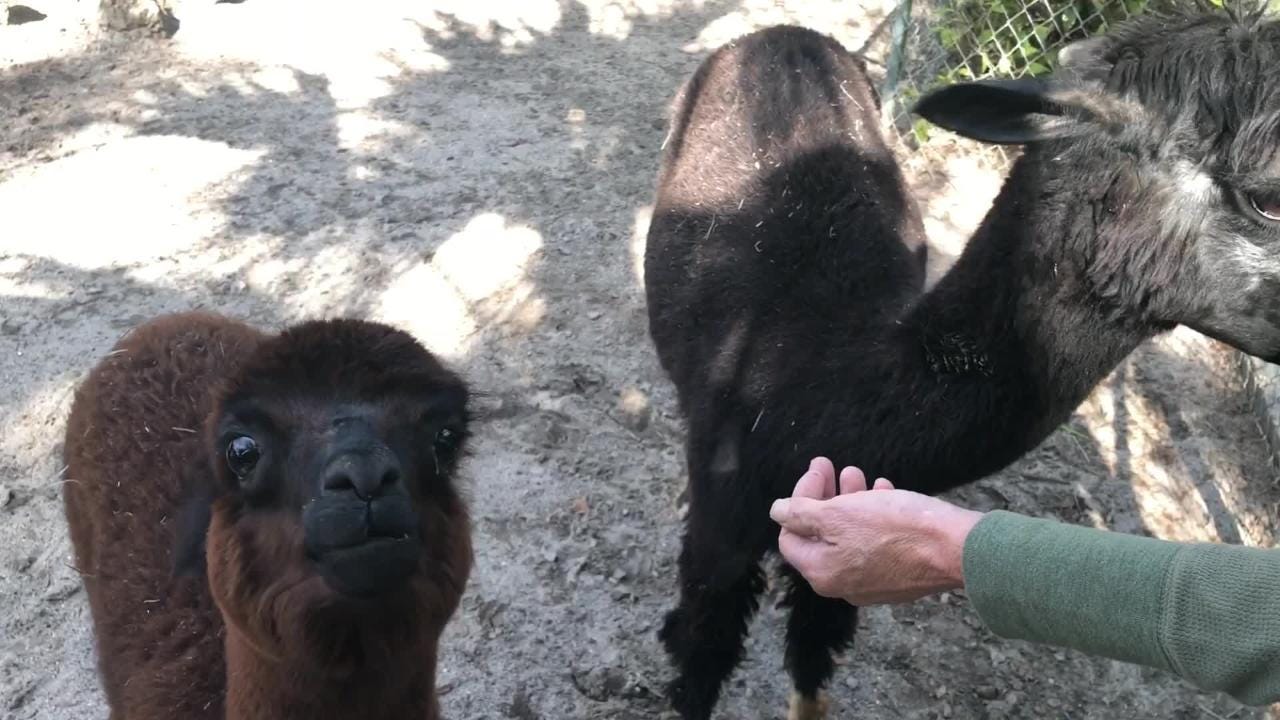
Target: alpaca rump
{"points": [[268, 526], [784, 282]]}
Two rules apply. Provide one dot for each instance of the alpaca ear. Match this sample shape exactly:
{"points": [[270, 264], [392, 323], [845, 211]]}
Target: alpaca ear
{"points": [[1007, 112], [190, 529], [1084, 61]]}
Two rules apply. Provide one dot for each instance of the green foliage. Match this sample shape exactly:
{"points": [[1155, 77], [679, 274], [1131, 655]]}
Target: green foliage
{"points": [[1018, 38], [1015, 38]]}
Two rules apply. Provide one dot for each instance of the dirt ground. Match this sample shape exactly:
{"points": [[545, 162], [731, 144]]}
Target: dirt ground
{"points": [[479, 172]]}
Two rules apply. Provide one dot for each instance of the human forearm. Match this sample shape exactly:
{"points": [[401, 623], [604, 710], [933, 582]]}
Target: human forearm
{"points": [[1210, 614], [1067, 585]]}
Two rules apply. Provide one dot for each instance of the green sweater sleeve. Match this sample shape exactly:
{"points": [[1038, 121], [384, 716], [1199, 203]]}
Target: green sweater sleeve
{"points": [[1208, 613]]}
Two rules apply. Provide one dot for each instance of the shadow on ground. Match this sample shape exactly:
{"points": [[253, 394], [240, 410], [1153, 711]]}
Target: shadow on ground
{"points": [[494, 204]]}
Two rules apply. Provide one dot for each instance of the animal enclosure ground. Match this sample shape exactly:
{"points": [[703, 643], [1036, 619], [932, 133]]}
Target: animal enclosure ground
{"points": [[479, 173]]}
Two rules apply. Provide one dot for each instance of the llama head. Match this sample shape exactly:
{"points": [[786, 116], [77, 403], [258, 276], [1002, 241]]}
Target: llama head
{"points": [[1155, 150], [335, 528]]}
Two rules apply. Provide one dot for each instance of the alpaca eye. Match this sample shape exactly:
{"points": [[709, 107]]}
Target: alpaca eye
{"points": [[242, 455], [1266, 206], [446, 439]]}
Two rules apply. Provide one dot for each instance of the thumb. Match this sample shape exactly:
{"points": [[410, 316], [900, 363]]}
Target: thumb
{"points": [[798, 515]]}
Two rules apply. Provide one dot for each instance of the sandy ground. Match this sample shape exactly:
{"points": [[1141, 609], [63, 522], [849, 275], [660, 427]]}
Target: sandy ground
{"points": [[479, 172]]}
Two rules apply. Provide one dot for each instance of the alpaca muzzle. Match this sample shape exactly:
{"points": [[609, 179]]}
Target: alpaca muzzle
{"points": [[362, 548]]}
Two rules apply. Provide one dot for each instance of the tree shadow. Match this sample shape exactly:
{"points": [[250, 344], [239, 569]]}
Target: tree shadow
{"points": [[578, 457], [578, 468], [1205, 472]]}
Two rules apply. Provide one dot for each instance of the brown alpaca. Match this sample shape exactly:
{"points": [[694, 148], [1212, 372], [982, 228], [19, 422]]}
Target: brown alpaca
{"points": [[267, 526]]}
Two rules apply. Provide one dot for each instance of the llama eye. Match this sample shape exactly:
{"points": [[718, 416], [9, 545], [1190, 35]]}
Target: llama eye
{"points": [[1268, 206], [242, 455], [446, 439]]}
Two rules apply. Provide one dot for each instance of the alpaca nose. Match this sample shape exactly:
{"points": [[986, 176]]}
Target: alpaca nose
{"points": [[367, 475]]}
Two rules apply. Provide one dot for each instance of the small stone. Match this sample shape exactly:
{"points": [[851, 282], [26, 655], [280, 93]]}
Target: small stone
{"points": [[987, 692], [62, 591], [233, 285], [634, 410], [946, 710], [21, 15], [548, 430], [594, 315], [576, 569], [6, 496], [851, 682], [598, 684], [519, 708], [24, 563], [23, 696], [154, 15]]}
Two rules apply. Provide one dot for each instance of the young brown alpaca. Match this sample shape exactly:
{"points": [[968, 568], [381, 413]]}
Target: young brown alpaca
{"points": [[267, 526]]}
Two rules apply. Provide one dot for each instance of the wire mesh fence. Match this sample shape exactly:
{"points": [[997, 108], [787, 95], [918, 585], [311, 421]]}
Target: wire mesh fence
{"points": [[934, 42]]}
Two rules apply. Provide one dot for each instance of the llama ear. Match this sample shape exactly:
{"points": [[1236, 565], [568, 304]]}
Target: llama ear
{"points": [[190, 529], [1007, 112]]}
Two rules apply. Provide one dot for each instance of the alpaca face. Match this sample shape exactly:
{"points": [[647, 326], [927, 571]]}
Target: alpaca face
{"points": [[1158, 147], [356, 473], [335, 450]]}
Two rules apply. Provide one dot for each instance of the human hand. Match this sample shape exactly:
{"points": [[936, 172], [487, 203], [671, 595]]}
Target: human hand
{"points": [[871, 547]]}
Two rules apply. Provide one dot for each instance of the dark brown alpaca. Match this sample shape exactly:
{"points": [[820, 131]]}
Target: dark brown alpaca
{"points": [[267, 526]]}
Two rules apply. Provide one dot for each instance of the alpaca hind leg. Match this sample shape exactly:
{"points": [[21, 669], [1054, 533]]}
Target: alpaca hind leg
{"points": [[704, 634], [818, 628]]}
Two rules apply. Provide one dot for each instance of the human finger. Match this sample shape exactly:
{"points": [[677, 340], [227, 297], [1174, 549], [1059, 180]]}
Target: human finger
{"points": [[818, 482], [798, 515], [852, 480]]}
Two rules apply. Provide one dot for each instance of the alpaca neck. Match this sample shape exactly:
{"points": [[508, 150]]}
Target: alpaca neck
{"points": [[1008, 343], [265, 688]]}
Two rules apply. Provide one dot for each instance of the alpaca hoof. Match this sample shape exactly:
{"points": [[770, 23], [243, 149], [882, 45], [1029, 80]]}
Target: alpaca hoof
{"points": [[807, 708]]}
